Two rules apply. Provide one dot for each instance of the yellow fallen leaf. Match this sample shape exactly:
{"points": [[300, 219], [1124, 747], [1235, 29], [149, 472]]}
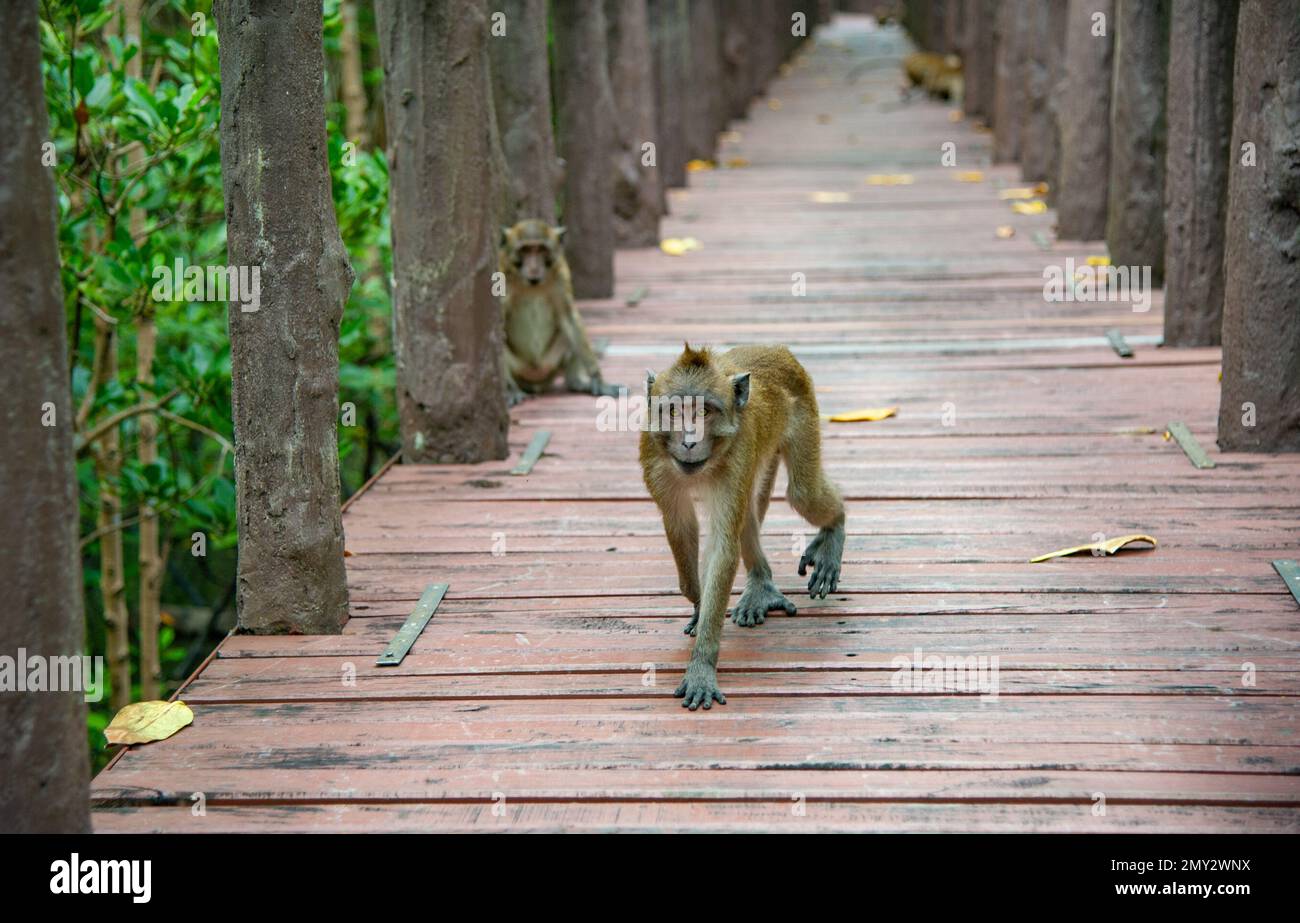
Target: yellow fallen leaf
{"points": [[143, 722], [695, 166], [890, 179], [730, 137], [736, 163], [1005, 231], [677, 246], [1040, 189], [954, 115], [982, 129], [971, 176], [865, 415], [1107, 547], [1098, 261], [1034, 207], [830, 198], [1017, 192], [774, 104]]}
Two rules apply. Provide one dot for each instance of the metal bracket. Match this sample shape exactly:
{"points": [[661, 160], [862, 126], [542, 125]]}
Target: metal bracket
{"points": [[1290, 572], [1191, 448], [1120, 345], [533, 452], [397, 648]]}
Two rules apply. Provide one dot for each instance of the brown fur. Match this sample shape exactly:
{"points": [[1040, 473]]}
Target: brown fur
{"points": [[760, 409], [939, 75]]}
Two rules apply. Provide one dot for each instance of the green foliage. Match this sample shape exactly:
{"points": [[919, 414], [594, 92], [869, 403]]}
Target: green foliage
{"points": [[152, 144]]}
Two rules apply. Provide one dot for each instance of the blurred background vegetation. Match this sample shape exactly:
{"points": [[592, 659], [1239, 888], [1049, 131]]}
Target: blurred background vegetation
{"points": [[134, 128]]}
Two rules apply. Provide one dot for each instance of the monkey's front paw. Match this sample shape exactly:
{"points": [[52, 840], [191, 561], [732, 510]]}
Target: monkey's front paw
{"points": [[693, 623], [602, 388], [515, 395], [757, 601], [823, 553], [700, 687]]}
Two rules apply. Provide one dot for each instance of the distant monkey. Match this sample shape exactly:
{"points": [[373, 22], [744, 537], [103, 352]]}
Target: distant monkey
{"points": [[939, 75], [724, 424], [544, 334]]}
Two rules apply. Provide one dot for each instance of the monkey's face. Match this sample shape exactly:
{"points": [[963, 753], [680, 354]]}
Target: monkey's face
{"points": [[531, 249], [694, 411], [689, 438]]}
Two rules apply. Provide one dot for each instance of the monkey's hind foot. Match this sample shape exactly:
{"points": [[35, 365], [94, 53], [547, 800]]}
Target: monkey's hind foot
{"points": [[823, 553], [759, 598], [700, 687]]}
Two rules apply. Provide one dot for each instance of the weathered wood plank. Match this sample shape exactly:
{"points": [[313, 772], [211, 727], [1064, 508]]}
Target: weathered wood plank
{"points": [[697, 817]]}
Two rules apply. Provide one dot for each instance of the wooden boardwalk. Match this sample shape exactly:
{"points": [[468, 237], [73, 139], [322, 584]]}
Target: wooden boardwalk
{"points": [[539, 697]]}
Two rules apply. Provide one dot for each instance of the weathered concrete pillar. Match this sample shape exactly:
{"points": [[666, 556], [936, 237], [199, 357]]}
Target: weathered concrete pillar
{"points": [[737, 58], [1259, 410], [1043, 54], [43, 764], [637, 193], [585, 116], [979, 59], [670, 47], [1135, 214], [706, 100], [1009, 90], [521, 93], [1084, 119], [1202, 34], [284, 357]]}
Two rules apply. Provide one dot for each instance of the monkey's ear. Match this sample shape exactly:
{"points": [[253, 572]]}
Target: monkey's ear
{"points": [[504, 240], [559, 234], [740, 384], [649, 381]]}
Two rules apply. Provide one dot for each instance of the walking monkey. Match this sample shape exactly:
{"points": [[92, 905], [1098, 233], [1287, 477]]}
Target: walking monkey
{"points": [[544, 334], [719, 427]]}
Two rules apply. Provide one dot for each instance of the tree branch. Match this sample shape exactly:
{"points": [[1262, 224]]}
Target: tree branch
{"points": [[85, 440]]}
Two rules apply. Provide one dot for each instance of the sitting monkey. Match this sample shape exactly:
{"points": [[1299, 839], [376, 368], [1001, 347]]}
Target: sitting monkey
{"points": [[544, 334], [939, 75], [719, 426]]}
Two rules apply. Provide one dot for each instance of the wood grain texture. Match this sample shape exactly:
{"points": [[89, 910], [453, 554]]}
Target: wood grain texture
{"points": [[539, 697]]}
